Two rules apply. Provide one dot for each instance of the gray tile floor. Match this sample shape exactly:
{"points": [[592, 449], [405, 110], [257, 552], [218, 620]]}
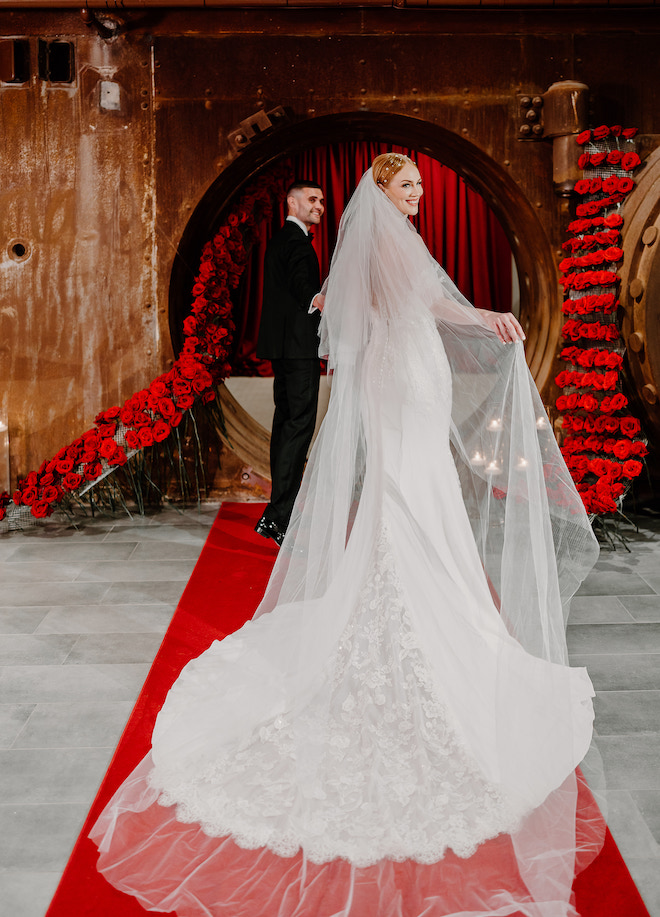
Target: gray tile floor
{"points": [[83, 611]]}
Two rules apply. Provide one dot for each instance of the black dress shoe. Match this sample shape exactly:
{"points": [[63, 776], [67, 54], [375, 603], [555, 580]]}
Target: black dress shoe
{"points": [[269, 529]]}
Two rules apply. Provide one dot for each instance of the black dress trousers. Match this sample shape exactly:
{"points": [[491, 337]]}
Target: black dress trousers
{"points": [[288, 337]]}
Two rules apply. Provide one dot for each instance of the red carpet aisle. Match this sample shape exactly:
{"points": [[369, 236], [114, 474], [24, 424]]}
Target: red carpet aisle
{"points": [[223, 592]]}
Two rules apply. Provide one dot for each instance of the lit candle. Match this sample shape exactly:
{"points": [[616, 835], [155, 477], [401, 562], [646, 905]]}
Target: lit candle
{"points": [[478, 459], [522, 463], [495, 424], [493, 468], [541, 423], [4, 456]]}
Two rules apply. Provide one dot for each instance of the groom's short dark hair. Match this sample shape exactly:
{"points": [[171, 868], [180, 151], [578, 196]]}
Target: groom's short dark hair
{"points": [[301, 183]]}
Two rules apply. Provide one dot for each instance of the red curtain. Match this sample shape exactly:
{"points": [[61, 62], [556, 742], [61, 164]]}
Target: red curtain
{"points": [[455, 222]]}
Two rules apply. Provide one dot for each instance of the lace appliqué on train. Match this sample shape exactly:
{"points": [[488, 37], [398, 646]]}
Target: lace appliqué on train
{"points": [[372, 769]]}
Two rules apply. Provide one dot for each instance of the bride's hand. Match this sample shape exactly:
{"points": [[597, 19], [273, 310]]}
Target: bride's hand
{"points": [[505, 325]]}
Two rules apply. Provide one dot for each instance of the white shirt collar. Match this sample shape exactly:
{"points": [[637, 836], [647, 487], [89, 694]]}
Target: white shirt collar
{"points": [[298, 223]]}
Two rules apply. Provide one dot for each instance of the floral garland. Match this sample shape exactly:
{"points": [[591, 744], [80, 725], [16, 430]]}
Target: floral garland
{"points": [[151, 415], [603, 443]]}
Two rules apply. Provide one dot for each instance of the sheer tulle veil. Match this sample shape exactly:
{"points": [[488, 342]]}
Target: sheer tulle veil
{"points": [[434, 429], [534, 537]]}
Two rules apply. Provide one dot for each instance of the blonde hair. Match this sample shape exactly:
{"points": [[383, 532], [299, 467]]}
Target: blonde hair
{"points": [[385, 166]]}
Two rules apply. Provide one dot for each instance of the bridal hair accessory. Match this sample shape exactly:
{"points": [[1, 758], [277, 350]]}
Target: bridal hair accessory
{"points": [[386, 165]]}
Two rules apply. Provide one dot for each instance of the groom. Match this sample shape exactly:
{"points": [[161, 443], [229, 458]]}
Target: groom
{"points": [[288, 338]]}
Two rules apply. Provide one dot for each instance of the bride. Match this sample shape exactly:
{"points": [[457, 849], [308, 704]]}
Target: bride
{"points": [[396, 732]]}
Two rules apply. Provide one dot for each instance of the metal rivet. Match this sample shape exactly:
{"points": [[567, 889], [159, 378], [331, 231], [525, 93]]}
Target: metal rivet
{"points": [[636, 288], [650, 394], [636, 342], [649, 235]]}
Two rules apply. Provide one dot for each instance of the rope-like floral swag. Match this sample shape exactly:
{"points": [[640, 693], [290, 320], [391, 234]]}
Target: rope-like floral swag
{"points": [[154, 414], [603, 442]]}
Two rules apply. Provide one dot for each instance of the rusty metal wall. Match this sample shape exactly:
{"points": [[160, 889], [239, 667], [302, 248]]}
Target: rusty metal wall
{"points": [[78, 328], [101, 198]]}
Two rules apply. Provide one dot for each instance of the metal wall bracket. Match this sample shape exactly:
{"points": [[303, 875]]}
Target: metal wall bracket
{"points": [[250, 129]]}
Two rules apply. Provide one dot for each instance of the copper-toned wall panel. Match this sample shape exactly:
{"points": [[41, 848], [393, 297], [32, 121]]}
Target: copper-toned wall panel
{"points": [[77, 192]]}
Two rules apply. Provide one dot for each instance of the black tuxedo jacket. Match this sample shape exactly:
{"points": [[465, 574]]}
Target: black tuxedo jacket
{"points": [[291, 280]]}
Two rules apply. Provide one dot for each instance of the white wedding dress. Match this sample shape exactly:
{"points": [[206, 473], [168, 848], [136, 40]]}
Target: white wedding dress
{"points": [[396, 732]]}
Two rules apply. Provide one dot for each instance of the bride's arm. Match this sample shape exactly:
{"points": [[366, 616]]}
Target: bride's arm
{"points": [[504, 324]]}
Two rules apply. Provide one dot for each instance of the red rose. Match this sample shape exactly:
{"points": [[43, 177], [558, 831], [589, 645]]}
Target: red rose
{"points": [[46, 479], [207, 397], [630, 426], [587, 209], [598, 467], [93, 471], [621, 449], [181, 387], [185, 401], [638, 448], [176, 420], [583, 161], [610, 380], [582, 186], [127, 415], [597, 159], [630, 132], [632, 468], [601, 132], [64, 466], [41, 509], [141, 419], [626, 185], [166, 407], [72, 481], [595, 184], [107, 429], [92, 440], [630, 161], [188, 371], [146, 437], [132, 439], [561, 403], [202, 382], [613, 220], [615, 129], [161, 431], [158, 388], [108, 448], [614, 157], [119, 458], [611, 184], [28, 496], [583, 138], [619, 401], [51, 493]]}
